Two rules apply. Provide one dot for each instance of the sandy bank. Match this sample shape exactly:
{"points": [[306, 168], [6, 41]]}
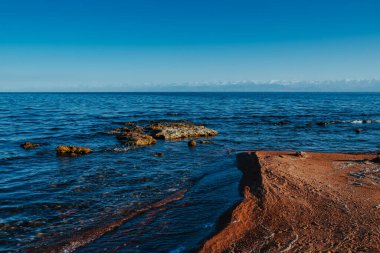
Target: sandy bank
{"points": [[303, 202]]}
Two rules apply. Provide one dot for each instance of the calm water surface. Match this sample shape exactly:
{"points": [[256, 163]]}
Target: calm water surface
{"points": [[172, 201]]}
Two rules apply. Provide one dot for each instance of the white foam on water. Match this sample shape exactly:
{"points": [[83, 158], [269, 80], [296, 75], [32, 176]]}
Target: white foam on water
{"points": [[121, 149], [178, 250], [208, 225], [366, 121]]}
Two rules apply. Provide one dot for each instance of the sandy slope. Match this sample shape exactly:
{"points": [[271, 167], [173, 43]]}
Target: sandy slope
{"points": [[303, 203]]}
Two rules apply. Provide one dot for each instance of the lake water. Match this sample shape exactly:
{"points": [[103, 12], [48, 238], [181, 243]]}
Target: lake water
{"points": [[127, 199]]}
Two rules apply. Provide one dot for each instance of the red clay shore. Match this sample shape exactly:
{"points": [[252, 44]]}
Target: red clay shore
{"points": [[303, 202]]}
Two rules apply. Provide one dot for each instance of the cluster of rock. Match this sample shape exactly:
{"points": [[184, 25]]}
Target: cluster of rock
{"points": [[61, 150], [134, 135]]}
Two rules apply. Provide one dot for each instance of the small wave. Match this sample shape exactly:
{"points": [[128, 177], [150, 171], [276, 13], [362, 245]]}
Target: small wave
{"points": [[208, 225], [357, 122], [119, 149], [174, 114], [365, 121], [178, 250], [8, 160]]}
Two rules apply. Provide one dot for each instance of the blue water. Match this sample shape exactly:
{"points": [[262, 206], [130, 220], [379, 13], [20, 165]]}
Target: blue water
{"points": [[46, 200]]}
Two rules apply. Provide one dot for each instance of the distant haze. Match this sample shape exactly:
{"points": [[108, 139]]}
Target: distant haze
{"points": [[225, 45]]}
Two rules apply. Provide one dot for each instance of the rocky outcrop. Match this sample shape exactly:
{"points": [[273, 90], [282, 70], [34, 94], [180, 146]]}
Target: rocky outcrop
{"points": [[179, 130], [29, 145], [72, 151], [314, 202], [136, 139], [135, 135]]}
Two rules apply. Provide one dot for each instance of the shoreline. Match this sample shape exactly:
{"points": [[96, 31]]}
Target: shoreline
{"points": [[302, 201]]}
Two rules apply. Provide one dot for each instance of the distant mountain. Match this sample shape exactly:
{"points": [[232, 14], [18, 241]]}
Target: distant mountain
{"points": [[345, 85], [364, 85]]}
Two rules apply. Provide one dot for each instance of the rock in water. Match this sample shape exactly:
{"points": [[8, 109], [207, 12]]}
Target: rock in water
{"points": [[28, 145], [323, 123], [192, 143], [134, 136], [284, 122], [72, 151], [179, 130], [205, 142], [136, 139]]}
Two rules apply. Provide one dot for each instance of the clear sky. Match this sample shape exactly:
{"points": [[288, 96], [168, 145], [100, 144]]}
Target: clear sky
{"points": [[91, 45]]}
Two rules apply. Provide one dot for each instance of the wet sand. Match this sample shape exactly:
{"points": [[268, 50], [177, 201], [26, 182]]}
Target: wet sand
{"points": [[303, 202]]}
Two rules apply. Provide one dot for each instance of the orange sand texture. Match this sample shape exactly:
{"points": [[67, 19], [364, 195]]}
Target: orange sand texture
{"points": [[303, 202]]}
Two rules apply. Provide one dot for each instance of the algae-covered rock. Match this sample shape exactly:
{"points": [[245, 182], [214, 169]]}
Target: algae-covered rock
{"points": [[28, 145], [136, 139], [135, 135], [179, 130], [123, 130], [192, 143], [72, 150]]}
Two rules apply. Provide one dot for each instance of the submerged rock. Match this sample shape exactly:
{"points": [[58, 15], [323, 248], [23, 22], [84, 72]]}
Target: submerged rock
{"points": [[115, 131], [284, 122], [124, 130], [136, 139], [325, 123], [205, 142], [358, 130], [179, 130], [72, 150], [133, 135], [28, 145], [129, 123]]}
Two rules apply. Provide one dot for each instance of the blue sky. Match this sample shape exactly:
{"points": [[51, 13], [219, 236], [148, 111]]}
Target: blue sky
{"points": [[88, 45]]}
